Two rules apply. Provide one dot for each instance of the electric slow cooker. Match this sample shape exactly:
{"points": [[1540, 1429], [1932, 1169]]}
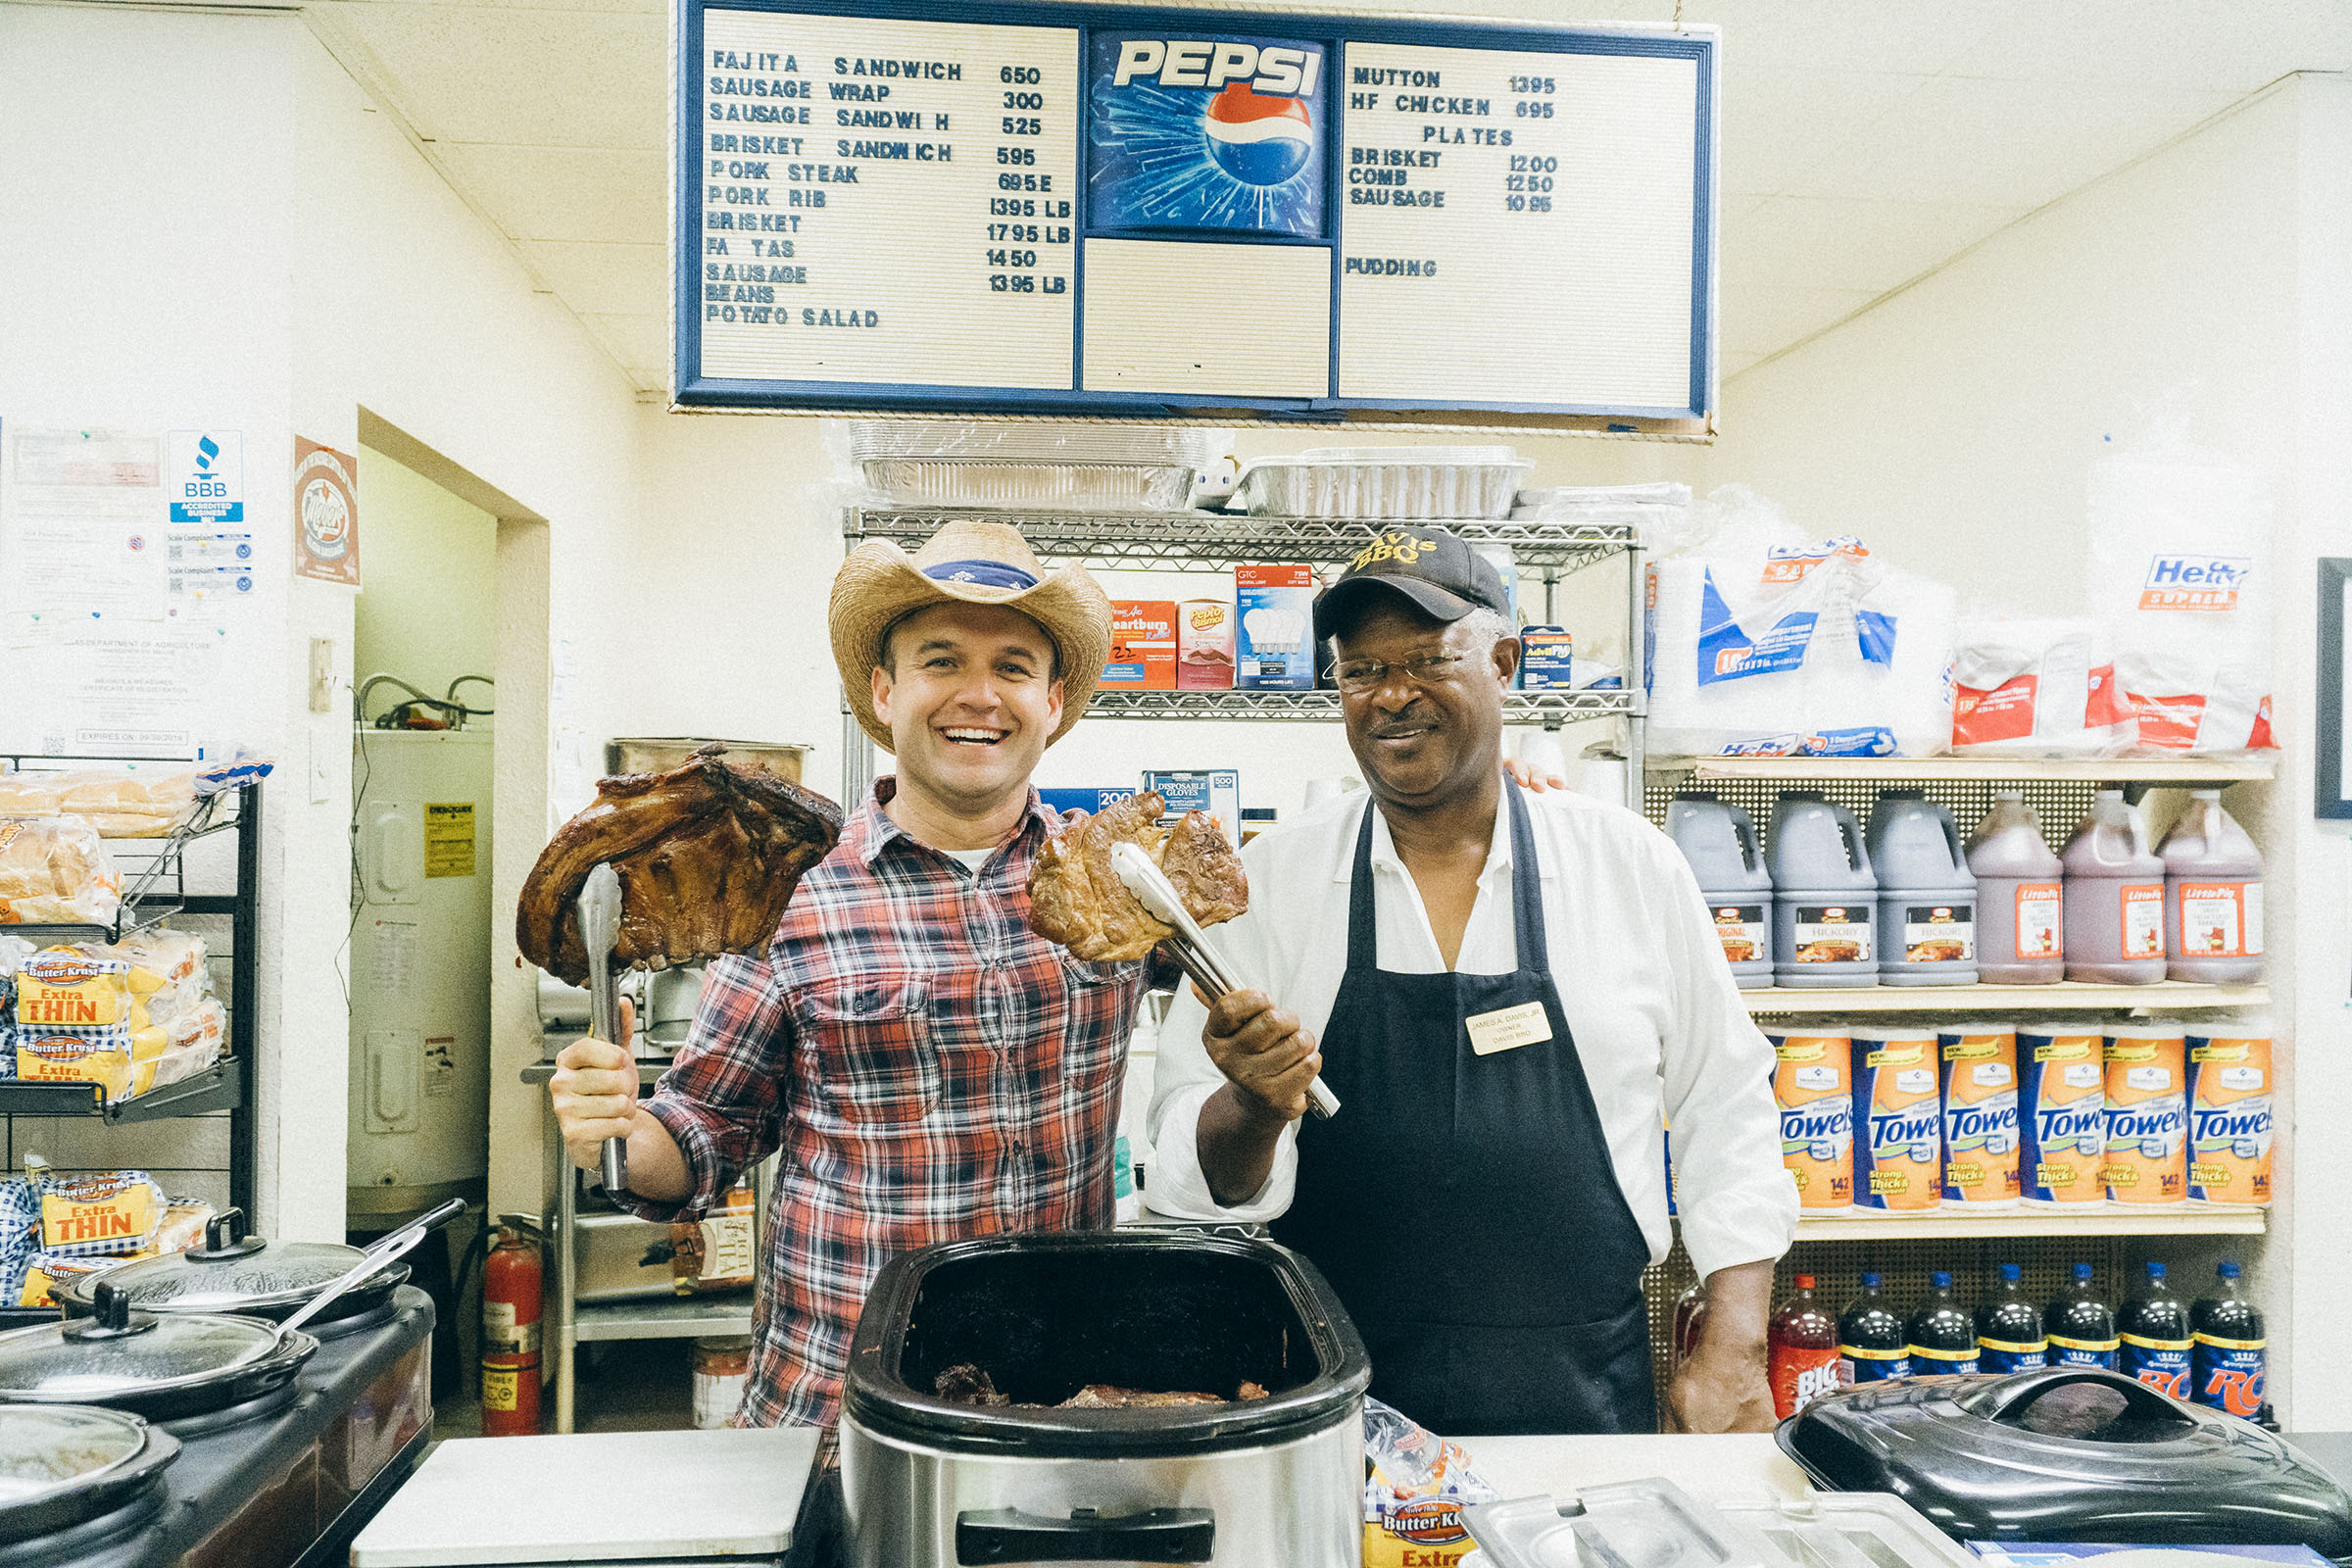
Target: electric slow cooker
{"points": [[1272, 1481]]}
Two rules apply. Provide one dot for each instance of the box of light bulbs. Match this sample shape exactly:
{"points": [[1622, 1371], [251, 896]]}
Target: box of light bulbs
{"points": [[1275, 648]]}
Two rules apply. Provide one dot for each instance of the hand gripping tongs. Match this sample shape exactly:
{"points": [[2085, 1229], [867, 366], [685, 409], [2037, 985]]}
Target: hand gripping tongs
{"points": [[1157, 895]]}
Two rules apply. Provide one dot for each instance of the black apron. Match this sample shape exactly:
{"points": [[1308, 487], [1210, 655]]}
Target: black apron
{"points": [[1463, 1206]]}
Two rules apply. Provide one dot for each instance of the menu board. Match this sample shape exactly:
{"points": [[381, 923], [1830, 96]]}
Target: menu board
{"points": [[1085, 210]]}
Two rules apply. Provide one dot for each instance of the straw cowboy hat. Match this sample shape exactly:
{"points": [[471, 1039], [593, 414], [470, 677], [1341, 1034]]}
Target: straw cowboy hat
{"points": [[973, 564]]}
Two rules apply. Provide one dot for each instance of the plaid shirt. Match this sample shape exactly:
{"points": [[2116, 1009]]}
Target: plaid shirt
{"points": [[930, 1068]]}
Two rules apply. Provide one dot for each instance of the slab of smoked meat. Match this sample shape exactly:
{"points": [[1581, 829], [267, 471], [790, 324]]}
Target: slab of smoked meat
{"points": [[708, 855], [1076, 898]]}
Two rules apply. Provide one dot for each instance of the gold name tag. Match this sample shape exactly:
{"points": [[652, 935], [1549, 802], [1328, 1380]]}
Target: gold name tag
{"points": [[1508, 1028]]}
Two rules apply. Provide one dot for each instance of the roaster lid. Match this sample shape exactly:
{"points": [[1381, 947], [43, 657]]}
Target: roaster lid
{"points": [[84, 1358], [246, 1275], [2074, 1451], [52, 1447], [1046, 1314]]}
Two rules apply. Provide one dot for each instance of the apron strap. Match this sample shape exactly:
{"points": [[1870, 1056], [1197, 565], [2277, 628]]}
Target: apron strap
{"points": [[1527, 888], [1363, 934]]}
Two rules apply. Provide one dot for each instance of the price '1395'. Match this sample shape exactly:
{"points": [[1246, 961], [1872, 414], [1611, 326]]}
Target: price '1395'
{"points": [[1026, 283]]}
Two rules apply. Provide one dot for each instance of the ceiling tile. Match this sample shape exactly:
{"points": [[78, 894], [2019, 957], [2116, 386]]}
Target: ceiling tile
{"points": [[608, 279], [565, 193], [1903, 36], [1734, 363], [1778, 125], [1759, 320], [1807, 241], [2169, 43], [2005, 143], [640, 342], [481, 72]]}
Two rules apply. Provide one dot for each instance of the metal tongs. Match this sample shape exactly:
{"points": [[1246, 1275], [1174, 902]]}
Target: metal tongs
{"points": [[599, 928], [1157, 895]]}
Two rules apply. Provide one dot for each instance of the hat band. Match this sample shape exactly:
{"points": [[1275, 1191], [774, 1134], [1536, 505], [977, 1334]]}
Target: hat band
{"points": [[987, 574]]}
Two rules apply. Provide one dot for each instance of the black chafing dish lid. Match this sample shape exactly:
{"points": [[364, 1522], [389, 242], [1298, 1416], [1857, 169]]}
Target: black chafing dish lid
{"points": [[1046, 1313], [2069, 1453]]}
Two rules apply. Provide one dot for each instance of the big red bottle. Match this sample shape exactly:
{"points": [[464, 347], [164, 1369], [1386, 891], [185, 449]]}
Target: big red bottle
{"points": [[1803, 1340]]}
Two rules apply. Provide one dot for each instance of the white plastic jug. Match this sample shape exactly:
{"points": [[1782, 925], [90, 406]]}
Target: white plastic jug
{"points": [[2021, 897], [1720, 841], [1927, 899], [2212, 895], [1825, 896], [2113, 898]]}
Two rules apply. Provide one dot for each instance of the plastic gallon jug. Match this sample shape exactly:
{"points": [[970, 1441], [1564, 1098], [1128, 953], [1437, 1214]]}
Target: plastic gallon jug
{"points": [[1824, 895], [2114, 899], [2212, 895], [2021, 895], [1720, 843], [1927, 899]]}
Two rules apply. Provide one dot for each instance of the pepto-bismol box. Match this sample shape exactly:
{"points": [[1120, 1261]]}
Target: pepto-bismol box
{"points": [[1274, 649]]}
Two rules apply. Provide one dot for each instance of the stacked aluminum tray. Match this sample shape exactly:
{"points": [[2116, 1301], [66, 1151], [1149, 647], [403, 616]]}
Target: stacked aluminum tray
{"points": [[1383, 483], [1053, 467], [1655, 1524]]}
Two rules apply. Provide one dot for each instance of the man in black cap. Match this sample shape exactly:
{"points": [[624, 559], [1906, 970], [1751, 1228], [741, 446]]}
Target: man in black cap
{"points": [[1511, 994]]}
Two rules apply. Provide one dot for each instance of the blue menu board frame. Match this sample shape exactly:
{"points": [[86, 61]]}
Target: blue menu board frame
{"points": [[692, 389]]}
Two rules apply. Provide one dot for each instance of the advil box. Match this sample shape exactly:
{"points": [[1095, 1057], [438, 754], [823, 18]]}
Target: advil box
{"points": [[1143, 645], [1543, 658], [1213, 132]]}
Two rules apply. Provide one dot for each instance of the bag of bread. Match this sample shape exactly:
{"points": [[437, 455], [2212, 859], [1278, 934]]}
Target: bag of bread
{"points": [[86, 986], [47, 1267], [1416, 1485], [101, 1215], [131, 805], [53, 870], [120, 1061]]}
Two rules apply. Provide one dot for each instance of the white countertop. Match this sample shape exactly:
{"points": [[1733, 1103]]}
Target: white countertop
{"points": [[593, 1497], [1745, 1465]]}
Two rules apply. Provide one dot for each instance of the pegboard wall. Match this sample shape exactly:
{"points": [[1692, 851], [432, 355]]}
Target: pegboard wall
{"points": [[2059, 803]]}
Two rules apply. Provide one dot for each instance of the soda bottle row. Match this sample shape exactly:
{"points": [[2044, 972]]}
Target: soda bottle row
{"points": [[2212, 1353], [1905, 903], [1979, 1115]]}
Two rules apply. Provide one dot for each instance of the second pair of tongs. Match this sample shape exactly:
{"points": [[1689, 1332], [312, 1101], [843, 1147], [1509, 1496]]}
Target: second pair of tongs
{"points": [[1157, 895]]}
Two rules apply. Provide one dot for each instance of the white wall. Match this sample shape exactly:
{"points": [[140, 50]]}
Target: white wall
{"points": [[1953, 426], [248, 244], [426, 611]]}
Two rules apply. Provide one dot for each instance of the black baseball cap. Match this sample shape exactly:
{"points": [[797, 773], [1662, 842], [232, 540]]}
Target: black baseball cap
{"points": [[1438, 573]]}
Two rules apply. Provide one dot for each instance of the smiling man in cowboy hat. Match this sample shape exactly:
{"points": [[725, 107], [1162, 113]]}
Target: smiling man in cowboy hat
{"points": [[929, 1067]]}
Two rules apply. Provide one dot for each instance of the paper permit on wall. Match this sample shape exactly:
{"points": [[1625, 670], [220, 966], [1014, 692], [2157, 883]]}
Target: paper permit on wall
{"points": [[81, 531]]}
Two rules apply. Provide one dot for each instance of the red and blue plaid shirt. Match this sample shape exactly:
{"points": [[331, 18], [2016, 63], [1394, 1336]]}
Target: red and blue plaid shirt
{"points": [[930, 1068]]}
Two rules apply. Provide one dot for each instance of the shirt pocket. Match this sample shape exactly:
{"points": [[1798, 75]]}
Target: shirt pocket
{"points": [[1101, 1001], [877, 1062]]}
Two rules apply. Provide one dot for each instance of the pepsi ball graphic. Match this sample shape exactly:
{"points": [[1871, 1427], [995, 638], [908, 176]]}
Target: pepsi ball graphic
{"points": [[1257, 138]]}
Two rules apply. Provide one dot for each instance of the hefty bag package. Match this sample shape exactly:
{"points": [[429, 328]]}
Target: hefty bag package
{"points": [[2230, 1113], [103, 1215], [2178, 571], [1415, 1488], [2036, 687], [1763, 641]]}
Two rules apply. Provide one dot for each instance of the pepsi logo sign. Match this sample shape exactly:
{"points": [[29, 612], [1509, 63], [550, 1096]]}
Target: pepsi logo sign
{"points": [[1257, 138], [1271, 69]]}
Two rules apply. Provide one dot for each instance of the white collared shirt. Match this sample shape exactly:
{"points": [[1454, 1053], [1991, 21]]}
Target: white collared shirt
{"points": [[1658, 1025]]}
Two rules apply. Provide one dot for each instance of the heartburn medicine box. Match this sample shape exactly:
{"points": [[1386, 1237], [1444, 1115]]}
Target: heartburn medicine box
{"points": [[1217, 791], [1274, 643], [1543, 659], [1143, 645]]}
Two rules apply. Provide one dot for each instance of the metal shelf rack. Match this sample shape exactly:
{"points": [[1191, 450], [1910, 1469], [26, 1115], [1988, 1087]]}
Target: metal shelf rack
{"points": [[1218, 541], [572, 1323], [2066, 996], [156, 885]]}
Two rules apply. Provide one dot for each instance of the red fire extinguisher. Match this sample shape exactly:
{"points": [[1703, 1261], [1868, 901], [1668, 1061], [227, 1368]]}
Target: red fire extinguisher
{"points": [[510, 1331]]}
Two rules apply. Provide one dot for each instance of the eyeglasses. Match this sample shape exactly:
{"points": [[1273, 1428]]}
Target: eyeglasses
{"points": [[1358, 676]]}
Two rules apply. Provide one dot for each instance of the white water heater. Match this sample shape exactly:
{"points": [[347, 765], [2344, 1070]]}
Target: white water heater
{"points": [[420, 969]]}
